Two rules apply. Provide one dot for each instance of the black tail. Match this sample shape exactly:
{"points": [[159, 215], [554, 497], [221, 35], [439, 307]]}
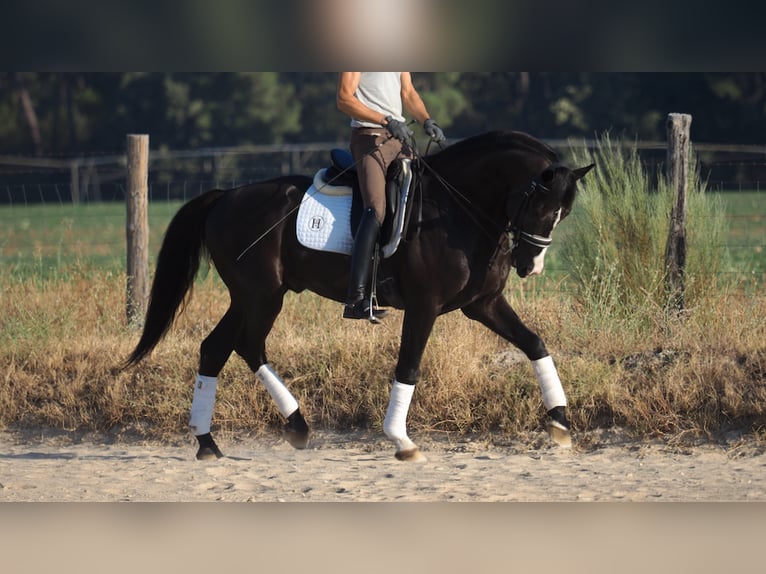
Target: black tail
{"points": [[177, 266]]}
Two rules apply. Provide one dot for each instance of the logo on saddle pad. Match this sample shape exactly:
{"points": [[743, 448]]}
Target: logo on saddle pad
{"points": [[324, 216], [316, 223]]}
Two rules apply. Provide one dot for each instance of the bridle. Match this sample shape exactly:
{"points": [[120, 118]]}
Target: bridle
{"points": [[514, 223]]}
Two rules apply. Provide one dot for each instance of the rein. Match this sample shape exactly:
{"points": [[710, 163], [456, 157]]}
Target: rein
{"points": [[514, 225], [466, 206]]}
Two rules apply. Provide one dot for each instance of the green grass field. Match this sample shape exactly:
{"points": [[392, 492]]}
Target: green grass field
{"points": [[747, 232], [44, 241]]}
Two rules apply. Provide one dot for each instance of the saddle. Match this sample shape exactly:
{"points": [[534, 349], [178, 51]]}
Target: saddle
{"points": [[332, 206]]}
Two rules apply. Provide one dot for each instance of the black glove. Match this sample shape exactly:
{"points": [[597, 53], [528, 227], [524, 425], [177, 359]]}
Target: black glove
{"points": [[398, 129], [433, 130]]}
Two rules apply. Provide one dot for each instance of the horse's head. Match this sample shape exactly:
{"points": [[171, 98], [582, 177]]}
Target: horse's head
{"points": [[535, 213]]}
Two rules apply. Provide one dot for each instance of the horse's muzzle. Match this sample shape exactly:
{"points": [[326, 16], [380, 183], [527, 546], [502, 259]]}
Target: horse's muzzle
{"points": [[521, 271], [527, 265], [525, 270]]}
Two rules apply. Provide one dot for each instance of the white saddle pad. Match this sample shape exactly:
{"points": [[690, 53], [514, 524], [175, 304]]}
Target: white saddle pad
{"points": [[324, 219]]}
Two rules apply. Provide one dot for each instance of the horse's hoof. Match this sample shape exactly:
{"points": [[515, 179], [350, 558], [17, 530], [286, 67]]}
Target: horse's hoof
{"points": [[296, 431], [209, 453], [559, 434], [297, 439], [411, 455], [558, 426], [208, 450], [408, 451]]}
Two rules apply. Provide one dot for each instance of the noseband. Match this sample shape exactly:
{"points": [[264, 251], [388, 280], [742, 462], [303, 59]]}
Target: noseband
{"points": [[514, 224]]}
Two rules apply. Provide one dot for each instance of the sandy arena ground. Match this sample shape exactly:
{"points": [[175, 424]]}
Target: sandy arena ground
{"points": [[603, 466]]}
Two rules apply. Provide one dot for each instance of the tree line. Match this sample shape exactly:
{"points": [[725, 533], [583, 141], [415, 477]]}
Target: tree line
{"points": [[79, 113]]}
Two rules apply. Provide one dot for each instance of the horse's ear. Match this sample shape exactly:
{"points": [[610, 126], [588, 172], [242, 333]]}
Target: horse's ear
{"points": [[580, 172]]}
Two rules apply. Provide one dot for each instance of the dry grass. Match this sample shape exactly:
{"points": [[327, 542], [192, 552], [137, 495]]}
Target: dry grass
{"points": [[62, 342]]}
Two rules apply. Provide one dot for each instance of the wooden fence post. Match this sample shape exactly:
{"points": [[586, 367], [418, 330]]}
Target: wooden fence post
{"points": [[137, 228], [678, 179], [74, 181]]}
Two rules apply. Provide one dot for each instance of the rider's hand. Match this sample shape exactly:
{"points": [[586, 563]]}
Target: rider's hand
{"points": [[433, 130], [398, 129]]}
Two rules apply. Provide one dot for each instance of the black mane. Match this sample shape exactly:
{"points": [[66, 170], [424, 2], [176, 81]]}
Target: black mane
{"points": [[494, 140]]}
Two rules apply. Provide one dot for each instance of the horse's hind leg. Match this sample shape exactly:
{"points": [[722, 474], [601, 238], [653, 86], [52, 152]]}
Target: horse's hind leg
{"points": [[214, 352], [251, 345]]}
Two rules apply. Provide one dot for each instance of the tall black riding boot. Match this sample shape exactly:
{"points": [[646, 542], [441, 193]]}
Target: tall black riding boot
{"points": [[357, 304]]}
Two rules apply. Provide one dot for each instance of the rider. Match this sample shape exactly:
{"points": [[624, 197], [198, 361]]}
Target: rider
{"points": [[374, 101]]}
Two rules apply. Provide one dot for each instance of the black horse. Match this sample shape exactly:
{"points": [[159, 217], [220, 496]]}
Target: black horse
{"points": [[484, 205]]}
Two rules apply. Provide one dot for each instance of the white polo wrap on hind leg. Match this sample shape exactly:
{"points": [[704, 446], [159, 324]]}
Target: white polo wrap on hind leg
{"points": [[202, 404], [550, 384], [395, 423], [286, 402]]}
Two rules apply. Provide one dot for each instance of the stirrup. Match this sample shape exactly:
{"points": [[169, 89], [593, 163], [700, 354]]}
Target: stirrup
{"points": [[363, 310]]}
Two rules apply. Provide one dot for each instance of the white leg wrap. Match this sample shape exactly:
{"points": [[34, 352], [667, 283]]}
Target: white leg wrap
{"points": [[202, 404], [395, 423], [286, 402], [550, 384]]}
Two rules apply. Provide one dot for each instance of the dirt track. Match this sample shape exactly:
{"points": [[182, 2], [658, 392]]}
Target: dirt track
{"points": [[341, 467]]}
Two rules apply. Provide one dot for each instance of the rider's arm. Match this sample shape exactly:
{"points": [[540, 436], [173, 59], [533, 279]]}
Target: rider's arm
{"points": [[412, 101], [350, 105]]}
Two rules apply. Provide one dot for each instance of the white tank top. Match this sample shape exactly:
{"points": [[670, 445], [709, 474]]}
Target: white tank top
{"points": [[382, 92]]}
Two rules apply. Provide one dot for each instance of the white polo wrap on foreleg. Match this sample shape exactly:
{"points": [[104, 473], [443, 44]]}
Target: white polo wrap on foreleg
{"points": [[395, 423], [202, 404], [286, 402], [550, 384]]}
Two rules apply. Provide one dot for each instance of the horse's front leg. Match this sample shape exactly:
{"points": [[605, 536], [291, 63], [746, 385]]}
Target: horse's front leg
{"points": [[497, 314], [415, 332]]}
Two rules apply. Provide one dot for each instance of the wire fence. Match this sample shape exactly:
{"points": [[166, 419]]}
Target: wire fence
{"points": [[182, 190], [50, 217]]}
